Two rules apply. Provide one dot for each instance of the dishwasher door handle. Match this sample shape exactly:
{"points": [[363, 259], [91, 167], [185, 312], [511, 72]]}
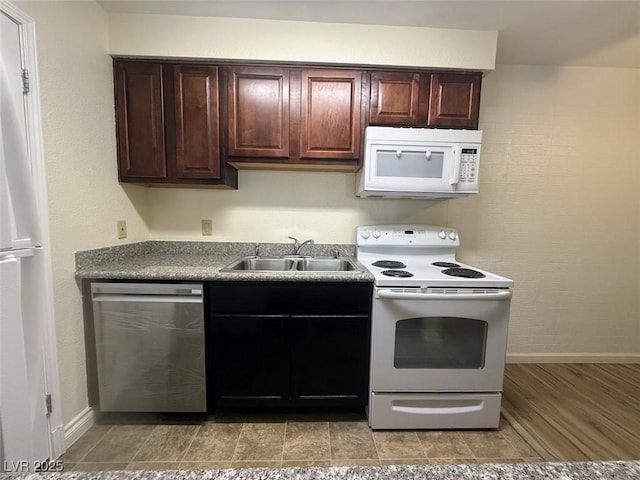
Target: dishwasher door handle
{"points": [[147, 298]]}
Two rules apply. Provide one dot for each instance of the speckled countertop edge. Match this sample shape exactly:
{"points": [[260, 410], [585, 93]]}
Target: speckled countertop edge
{"points": [[201, 261], [520, 471]]}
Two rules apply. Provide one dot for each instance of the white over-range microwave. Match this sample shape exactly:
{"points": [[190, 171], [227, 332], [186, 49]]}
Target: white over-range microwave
{"points": [[419, 163]]}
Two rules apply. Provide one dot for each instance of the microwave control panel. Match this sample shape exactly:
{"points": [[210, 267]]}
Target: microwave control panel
{"points": [[469, 164]]}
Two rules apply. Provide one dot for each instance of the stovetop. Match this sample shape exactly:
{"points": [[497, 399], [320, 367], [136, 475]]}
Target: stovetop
{"points": [[419, 256]]}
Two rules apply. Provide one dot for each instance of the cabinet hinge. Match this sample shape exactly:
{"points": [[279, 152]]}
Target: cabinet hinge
{"points": [[47, 401], [25, 80]]}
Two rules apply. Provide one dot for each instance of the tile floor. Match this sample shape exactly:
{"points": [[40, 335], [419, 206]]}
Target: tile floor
{"points": [[285, 441]]}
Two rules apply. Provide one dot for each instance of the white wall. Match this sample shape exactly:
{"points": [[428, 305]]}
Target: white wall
{"points": [[85, 200]]}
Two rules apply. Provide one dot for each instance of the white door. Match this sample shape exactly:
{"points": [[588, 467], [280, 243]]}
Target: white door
{"points": [[29, 434]]}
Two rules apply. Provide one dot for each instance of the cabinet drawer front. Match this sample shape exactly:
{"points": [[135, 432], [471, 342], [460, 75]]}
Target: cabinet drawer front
{"points": [[258, 112], [330, 114], [273, 298]]}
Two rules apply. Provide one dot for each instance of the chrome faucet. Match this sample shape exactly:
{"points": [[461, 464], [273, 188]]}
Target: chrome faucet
{"points": [[297, 246]]}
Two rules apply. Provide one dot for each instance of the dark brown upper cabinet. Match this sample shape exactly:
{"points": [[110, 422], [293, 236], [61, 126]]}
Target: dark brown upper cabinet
{"points": [[425, 99], [168, 121], [394, 98], [140, 121], [293, 118], [258, 119], [330, 103], [454, 100]]}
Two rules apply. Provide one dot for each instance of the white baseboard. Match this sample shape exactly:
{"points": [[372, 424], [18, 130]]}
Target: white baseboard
{"points": [[573, 358], [78, 426]]}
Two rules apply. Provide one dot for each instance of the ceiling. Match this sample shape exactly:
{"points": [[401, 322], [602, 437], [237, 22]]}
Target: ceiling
{"points": [[603, 33]]}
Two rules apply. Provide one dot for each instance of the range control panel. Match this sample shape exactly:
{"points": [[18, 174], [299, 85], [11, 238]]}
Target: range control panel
{"points": [[407, 235]]}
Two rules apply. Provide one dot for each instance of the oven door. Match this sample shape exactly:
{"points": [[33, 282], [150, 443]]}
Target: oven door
{"points": [[439, 340]]}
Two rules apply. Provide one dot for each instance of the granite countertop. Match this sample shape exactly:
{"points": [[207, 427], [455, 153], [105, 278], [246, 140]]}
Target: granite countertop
{"points": [[201, 261], [517, 471]]}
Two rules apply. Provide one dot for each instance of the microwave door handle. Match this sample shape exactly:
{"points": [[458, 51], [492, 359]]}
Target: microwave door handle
{"points": [[455, 175]]}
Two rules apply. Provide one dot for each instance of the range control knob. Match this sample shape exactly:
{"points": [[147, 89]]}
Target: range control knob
{"points": [[452, 235], [364, 234], [442, 234], [376, 234]]}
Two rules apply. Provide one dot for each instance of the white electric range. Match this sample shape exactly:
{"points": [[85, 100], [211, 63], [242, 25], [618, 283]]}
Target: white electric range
{"points": [[439, 331]]}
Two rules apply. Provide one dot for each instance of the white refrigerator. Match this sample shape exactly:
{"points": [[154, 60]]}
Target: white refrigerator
{"points": [[25, 278]]}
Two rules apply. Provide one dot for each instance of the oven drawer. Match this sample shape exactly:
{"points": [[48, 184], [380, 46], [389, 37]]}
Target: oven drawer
{"points": [[433, 411]]}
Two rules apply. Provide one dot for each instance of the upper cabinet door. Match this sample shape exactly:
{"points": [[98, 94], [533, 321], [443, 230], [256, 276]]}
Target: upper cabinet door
{"points": [[197, 122], [258, 112], [330, 114], [394, 98], [140, 121], [454, 100]]}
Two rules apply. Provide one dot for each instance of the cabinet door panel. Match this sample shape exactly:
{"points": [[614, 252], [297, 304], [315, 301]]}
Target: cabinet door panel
{"points": [[197, 120], [258, 112], [330, 359], [330, 114], [250, 364], [454, 100], [140, 121], [394, 98]]}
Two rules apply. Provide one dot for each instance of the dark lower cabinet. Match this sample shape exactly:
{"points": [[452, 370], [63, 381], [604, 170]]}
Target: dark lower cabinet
{"points": [[251, 364], [285, 344], [329, 359]]}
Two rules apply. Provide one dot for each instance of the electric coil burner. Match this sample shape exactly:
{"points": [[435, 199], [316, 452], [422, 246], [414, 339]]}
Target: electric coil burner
{"points": [[439, 331], [463, 272], [445, 264], [397, 273], [389, 264]]}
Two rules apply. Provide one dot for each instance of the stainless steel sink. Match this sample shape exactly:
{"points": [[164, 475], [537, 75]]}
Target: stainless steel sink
{"points": [[326, 265], [268, 264], [292, 264]]}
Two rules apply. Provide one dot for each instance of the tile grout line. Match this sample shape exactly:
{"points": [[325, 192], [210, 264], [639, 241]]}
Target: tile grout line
{"points": [[96, 444], [141, 445], [235, 449], [184, 454]]}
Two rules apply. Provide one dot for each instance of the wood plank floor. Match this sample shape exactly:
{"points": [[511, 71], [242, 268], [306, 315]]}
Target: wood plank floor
{"points": [[576, 412]]}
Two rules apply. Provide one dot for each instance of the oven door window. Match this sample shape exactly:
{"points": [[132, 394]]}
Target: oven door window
{"points": [[440, 343]]}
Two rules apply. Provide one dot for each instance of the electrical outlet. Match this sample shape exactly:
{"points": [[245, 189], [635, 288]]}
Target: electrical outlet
{"points": [[207, 227], [122, 229]]}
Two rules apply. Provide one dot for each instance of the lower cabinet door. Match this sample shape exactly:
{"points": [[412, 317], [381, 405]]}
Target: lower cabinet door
{"points": [[329, 359], [250, 364]]}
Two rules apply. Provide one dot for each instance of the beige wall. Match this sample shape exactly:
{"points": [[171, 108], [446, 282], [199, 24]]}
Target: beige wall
{"points": [[237, 38], [571, 241], [559, 206], [85, 200]]}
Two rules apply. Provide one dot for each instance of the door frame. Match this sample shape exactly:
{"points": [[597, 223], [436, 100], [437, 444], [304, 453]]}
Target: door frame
{"points": [[35, 147]]}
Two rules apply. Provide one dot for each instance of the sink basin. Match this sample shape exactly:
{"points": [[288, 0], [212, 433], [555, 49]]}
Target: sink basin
{"points": [[268, 264], [325, 265], [291, 264]]}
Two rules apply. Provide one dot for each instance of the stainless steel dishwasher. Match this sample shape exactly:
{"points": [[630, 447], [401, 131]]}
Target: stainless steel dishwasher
{"points": [[149, 347]]}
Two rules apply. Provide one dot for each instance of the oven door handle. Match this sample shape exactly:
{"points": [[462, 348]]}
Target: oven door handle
{"points": [[503, 295]]}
